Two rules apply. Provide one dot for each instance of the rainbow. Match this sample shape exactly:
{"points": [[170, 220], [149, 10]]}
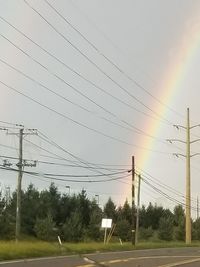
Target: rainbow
{"points": [[169, 89]]}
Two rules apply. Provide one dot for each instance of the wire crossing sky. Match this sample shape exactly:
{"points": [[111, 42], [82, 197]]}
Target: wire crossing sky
{"points": [[101, 81]]}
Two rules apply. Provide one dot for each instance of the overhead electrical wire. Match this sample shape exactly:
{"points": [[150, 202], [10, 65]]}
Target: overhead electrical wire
{"points": [[161, 184], [166, 195], [93, 63], [79, 123], [77, 73], [132, 127], [107, 58], [65, 165], [66, 180], [75, 89]]}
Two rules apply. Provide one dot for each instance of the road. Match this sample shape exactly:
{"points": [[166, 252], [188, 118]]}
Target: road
{"points": [[187, 257]]}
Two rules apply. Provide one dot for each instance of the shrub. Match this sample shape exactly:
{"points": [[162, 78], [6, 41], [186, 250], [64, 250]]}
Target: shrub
{"points": [[45, 229], [123, 230], [166, 228], [145, 233]]}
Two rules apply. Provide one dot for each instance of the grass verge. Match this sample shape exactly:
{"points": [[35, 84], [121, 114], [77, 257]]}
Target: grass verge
{"points": [[24, 250]]}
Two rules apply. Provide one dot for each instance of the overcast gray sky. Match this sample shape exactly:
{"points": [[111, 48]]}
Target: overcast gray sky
{"points": [[106, 80]]}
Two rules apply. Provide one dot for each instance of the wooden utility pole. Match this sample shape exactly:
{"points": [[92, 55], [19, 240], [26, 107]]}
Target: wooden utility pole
{"points": [[138, 210], [21, 164], [133, 200], [19, 185]]}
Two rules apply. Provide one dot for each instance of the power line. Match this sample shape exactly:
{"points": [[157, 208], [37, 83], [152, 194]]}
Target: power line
{"points": [[79, 123], [66, 165], [107, 58], [74, 71], [93, 63], [164, 194], [67, 180], [161, 184], [137, 130]]}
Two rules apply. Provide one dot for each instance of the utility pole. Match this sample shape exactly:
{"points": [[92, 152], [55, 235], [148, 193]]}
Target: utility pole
{"points": [[133, 200], [138, 211], [7, 195], [197, 208], [19, 185], [21, 164], [97, 196], [188, 174], [188, 188]]}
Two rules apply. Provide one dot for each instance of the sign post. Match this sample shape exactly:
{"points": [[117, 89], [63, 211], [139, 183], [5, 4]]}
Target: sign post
{"points": [[106, 223]]}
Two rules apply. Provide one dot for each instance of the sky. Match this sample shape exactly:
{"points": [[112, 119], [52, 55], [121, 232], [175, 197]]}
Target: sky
{"points": [[101, 81]]}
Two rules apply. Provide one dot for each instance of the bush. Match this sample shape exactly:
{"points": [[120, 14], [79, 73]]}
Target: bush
{"points": [[180, 231], [145, 233], [73, 229], [166, 228], [45, 229], [123, 230]]}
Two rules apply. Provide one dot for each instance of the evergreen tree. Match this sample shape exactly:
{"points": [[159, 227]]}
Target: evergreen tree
{"points": [[29, 209], [73, 228], [165, 230], [123, 230], [93, 231], [179, 215], [110, 210], [45, 229]]}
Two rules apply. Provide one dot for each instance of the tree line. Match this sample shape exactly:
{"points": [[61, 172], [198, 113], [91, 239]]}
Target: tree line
{"points": [[48, 213]]}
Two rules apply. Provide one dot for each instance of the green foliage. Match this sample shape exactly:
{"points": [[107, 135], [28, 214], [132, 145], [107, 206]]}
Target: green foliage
{"points": [[93, 232], [196, 230], [151, 215], [179, 215], [180, 231], [73, 228], [77, 218], [145, 233], [123, 230], [49, 203], [45, 229], [30, 199], [110, 210], [165, 230], [125, 212]]}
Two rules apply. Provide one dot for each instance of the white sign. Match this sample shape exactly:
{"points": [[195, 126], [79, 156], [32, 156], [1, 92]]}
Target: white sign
{"points": [[106, 223]]}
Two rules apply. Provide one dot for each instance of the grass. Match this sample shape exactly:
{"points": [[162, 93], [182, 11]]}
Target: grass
{"points": [[24, 249], [12, 250]]}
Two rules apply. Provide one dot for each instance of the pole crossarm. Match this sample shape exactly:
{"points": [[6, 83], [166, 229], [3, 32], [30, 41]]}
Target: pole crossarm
{"points": [[175, 140], [178, 154], [195, 154], [179, 126], [181, 141], [194, 141], [194, 126]]}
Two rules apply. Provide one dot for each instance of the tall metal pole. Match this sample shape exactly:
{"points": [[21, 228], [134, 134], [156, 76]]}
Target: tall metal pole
{"points": [[188, 176], [188, 190], [197, 207], [133, 200], [138, 207], [19, 183]]}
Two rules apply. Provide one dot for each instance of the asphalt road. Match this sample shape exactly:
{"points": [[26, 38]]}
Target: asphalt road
{"points": [[187, 257]]}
